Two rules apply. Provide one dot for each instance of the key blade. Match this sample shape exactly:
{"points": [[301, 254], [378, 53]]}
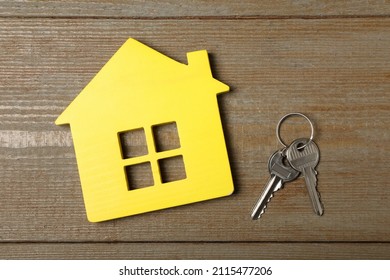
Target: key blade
{"points": [[311, 183], [274, 183]]}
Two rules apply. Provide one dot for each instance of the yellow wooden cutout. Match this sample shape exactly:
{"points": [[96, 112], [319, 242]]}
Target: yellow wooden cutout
{"points": [[140, 89]]}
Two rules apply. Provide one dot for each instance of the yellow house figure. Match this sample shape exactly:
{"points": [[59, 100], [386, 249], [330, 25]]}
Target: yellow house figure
{"points": [[138, 97]]}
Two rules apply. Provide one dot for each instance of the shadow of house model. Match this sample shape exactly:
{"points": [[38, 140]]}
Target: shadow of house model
{"points": [[137, 92]]}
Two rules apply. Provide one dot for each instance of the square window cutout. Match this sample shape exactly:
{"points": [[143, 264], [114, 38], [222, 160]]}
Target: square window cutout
{"points": [[166, 137], [172, 169], [133, 143], [139, 176]]}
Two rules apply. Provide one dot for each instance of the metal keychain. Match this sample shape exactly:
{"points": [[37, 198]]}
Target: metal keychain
{"points": [[285, 165]]}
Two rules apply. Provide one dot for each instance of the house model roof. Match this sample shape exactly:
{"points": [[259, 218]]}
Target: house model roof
{"points": [[132, 68]]}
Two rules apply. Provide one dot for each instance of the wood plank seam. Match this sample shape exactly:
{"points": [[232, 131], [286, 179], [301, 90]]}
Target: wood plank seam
{"points": [[233, 17]]}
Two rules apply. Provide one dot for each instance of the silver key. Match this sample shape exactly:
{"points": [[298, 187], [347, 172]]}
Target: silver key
{"points": [[305, 159], [280, 172]]}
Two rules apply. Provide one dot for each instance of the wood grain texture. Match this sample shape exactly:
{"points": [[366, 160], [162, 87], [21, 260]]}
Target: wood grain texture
{"points": [[336, 71], [177, 8], [227, 251]]}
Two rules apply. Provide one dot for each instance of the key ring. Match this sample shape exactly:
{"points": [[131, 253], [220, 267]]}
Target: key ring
{"points": [[289, 115]]}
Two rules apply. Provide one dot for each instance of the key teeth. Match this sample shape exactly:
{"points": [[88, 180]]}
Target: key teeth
{"points": [[312, 176], [315, 177], [281, 187], [266, 205]]}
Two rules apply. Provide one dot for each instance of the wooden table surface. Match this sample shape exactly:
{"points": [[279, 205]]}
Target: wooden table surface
{"points": [[327, 59]]}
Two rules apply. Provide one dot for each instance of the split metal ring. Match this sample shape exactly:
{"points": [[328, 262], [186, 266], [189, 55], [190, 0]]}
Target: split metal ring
{"points": [[289, 115]]}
